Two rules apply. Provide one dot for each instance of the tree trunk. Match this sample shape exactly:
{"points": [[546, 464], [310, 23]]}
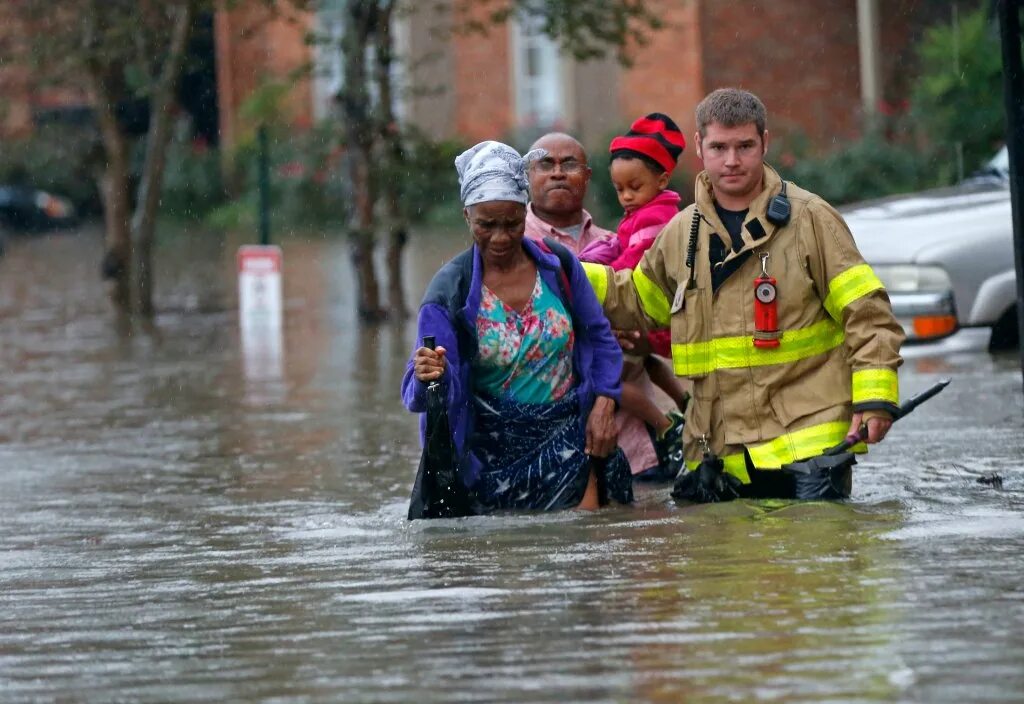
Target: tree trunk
{"points": [[157, 139], [362, 234], [355, 101], [393, 156], [115, 192]]}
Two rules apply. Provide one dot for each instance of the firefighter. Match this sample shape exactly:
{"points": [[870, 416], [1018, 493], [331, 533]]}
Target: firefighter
{"points": [[787, 334]]}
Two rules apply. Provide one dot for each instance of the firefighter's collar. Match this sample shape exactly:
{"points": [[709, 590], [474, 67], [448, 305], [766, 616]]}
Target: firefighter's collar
{"points": [[756, 230]]}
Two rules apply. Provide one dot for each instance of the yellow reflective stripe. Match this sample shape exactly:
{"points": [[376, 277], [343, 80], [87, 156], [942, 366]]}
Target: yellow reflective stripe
{"points": [[876, 385], [698, 358], [652, 298], [693, 359], [801, 445], [847, 287], [735, 464], [597, 275]]}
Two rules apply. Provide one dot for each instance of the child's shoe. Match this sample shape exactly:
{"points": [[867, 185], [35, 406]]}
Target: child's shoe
{"points": [[669, 448]]}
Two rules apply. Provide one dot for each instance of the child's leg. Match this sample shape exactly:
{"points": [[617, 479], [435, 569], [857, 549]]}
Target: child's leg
{"points": [[637, 403], [665, 379]]}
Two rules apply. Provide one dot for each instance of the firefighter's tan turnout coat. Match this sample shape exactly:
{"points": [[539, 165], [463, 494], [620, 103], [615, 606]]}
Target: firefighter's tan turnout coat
{"points": [[838, 345]]}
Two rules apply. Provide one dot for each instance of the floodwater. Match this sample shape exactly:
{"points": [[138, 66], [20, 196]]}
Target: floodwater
{"points": [[182, 520]]}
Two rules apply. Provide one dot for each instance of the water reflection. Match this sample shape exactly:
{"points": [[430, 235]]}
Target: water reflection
{"points": [[167, 535]]}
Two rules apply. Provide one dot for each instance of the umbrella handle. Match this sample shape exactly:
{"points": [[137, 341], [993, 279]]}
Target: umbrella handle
{"points": [[905, 409], [430, 342]]}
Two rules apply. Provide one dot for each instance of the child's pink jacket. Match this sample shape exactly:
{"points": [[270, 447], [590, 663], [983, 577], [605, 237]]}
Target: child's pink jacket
{"points": [[637, 233], [639, 228]]}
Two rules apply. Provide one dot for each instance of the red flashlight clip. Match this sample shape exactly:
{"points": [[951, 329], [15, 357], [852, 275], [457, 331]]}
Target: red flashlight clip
{"points": [[766, 308]]}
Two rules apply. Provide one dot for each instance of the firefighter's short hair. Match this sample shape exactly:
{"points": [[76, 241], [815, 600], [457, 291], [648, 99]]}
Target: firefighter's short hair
{"points": [[731, 107]]}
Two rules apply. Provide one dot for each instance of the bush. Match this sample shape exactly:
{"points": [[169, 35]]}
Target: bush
{"points": [[192, 185], [429, 184], [305, 176], [310, 186], [872, 166], [56, 158], [958, 99], [63, 159]]}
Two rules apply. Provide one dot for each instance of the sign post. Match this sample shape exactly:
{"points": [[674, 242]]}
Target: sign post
{"points": [[261, 312]]}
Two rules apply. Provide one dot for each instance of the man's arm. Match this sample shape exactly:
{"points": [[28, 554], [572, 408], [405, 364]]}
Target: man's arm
{"points": [[606, 370], [601, 251], [641, 298], [855, 298]]}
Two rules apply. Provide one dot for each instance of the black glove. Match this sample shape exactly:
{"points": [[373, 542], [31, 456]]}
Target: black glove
{"points": [[707, 484]]}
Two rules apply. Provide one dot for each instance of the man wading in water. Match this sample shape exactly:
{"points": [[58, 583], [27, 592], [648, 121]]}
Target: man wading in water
{"points": [[558, 185], [787, 334]]}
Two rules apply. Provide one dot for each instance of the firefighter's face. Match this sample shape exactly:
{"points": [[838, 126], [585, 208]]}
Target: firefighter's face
{"points": [[498, 227], [734, 160]]}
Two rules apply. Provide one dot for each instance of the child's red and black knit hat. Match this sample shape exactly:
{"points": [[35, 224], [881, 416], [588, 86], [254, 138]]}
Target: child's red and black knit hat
{"points": [[654, 136]]}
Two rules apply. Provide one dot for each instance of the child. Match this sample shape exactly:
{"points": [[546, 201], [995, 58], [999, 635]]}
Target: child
{"points": [[642, 162]]}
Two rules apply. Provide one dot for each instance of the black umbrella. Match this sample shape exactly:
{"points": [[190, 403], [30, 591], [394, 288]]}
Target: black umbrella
{"points": [[438, 491]]}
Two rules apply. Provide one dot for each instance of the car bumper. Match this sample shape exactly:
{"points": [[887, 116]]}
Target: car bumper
{"points": [[963, 340], [925, 317]]}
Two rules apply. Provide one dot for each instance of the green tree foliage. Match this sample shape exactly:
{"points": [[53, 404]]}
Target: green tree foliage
{"points": [[586, 29], [872, 166], [375, 145], [958, 97], [128, 57]]}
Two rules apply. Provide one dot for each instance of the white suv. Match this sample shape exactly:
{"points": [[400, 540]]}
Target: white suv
{"points": [[946, 257]]}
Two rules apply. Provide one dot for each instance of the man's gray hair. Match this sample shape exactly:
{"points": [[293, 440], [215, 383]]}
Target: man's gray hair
{"points": [[731, 107]]}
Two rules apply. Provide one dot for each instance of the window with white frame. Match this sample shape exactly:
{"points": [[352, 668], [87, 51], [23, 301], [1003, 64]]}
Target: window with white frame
{"points": [[328, 70], [329, 67], [537, 75]]}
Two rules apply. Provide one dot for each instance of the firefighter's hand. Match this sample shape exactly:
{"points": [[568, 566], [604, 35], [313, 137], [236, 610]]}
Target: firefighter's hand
{"points": [[878, 424], [428, 364], [626, 338], [601, 432]]}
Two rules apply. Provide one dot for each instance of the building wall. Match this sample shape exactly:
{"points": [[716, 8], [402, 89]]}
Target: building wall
{"points": [[428, 90], [16, 108], [902, 25], [667, 73], [801, 58], [16, 102], [803, 64], [254, 47], [595, 98], [481, 80]]}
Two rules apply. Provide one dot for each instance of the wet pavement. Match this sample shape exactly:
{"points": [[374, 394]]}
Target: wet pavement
{"points": [[180, 521]]}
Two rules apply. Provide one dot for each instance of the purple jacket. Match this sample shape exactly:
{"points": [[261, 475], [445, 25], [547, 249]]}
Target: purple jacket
{"points": [[597, 358]]}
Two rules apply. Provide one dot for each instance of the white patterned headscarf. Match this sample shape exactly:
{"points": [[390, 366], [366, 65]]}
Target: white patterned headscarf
{"points": [[494, 171]]}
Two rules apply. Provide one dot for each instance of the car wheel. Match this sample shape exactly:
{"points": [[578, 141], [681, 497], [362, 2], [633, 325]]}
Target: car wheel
{"points": [[1005, 333]]}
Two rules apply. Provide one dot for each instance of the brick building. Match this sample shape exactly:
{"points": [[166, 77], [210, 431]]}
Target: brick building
{"points": [[816, 65], [806, 60]]}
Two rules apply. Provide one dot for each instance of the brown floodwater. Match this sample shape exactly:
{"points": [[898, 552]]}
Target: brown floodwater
{"points": [[184, 519]]}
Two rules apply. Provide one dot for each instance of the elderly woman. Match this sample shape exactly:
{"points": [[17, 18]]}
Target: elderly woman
{"points": [[529, 364]]}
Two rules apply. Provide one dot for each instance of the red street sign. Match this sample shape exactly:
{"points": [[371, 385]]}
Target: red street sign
{"points": [[259, 259]]}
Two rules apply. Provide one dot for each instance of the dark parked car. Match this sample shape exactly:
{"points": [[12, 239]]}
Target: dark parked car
{"points": [[27, 209]]}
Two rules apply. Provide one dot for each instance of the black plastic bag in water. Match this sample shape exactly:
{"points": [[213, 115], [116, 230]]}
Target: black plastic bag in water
{"points": [[707, 484], [826, 477], [438, 491]]}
